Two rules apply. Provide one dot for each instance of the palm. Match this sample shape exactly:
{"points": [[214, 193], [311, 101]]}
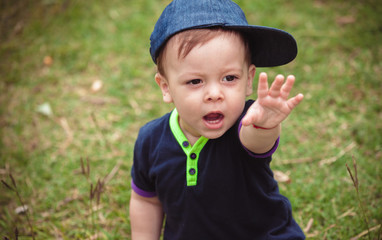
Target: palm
{"points": [[272, 105]]}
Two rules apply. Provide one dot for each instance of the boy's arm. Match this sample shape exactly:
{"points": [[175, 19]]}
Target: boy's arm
{"points": [[146, 217], [261, 124]]}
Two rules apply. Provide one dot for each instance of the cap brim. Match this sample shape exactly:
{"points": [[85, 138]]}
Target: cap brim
{"points": [[270, 47]]}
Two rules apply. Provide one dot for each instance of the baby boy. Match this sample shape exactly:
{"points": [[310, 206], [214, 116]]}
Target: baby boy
{"points": [[204, 168]]}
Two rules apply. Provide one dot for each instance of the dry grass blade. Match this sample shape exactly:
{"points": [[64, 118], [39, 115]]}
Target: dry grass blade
{"points": [[297, 161], [347, 213], [88, 167], [112, 173], [67, 200], [85, 171], [339, 155], [7, 185], [94, 237], [99, 188], [68, 132], [13, 180], [82, 166], [100, 130], [327, 229], [98, 193], [356, 186], [14, 189], [355, 171], [366, 232], [16, 233], [91, 192], [309, 225], [351, 175], [3, 171]]}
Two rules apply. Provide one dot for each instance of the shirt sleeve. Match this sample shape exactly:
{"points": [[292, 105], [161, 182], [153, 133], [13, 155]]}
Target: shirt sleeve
{"points": [[141, 192], [141, 181], [263, 155]]}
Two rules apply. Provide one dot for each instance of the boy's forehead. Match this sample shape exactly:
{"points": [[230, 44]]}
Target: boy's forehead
{"points": [[180, 46], [173, 56], [184, 42]]}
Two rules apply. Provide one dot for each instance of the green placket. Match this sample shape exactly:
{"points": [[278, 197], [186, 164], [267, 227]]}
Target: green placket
{"points": [[192, 152]]}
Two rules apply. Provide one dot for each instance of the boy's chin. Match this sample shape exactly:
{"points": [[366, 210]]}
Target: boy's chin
{"points": [[214, 134]]}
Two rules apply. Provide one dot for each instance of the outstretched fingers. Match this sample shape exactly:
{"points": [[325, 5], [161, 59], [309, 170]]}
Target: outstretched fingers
{"points": [[294, 101], [276, 86], [287, 87], [273, 104], [262, 89]]}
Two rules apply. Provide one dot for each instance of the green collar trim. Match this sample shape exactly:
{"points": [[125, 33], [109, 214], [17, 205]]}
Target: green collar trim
{"points": [[192, 152]]}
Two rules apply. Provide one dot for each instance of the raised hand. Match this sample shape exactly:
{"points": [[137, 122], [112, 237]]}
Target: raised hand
{"points": [[272, 105]]}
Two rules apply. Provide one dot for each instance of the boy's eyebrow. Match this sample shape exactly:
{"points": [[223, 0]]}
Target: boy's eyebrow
{"points": [[234, 69], [191, 74]]}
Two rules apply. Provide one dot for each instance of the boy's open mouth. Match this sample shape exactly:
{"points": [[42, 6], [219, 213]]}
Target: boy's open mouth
{"points": [[213, 118]]}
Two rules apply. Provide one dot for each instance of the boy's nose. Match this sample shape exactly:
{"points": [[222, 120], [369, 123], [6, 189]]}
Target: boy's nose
{"points": [[214, 93]]}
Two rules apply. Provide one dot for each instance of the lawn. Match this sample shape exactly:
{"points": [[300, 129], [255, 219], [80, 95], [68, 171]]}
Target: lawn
{"points": [[77, 82]]}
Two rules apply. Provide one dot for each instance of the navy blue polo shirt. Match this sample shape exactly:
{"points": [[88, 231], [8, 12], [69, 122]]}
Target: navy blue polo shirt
{"points": [[215, 189]]}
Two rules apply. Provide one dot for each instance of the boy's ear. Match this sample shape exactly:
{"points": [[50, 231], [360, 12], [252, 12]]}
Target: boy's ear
{"points": [[163, 84], [251, 75]]}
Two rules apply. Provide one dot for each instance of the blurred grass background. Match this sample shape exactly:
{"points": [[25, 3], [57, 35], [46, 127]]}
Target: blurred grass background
{"points": [[53, 53]]}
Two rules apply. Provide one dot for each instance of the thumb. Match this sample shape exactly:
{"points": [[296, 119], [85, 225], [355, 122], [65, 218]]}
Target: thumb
{"points": [[250, 117]]}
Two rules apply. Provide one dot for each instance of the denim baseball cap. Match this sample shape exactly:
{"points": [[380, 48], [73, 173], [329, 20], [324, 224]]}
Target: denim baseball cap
{"points": [[269, 46]]}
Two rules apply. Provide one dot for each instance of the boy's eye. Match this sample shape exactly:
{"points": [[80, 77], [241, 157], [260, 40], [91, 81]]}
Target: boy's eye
{"points": [[229, 78], [194, 81]]}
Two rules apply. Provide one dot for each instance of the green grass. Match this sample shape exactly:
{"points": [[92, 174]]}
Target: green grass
{"points": [[338, 68]]}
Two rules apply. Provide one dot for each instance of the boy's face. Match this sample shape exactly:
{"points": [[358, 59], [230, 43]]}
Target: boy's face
{"points": [[208, 86]]}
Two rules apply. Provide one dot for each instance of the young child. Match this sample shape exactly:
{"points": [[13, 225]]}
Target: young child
{"points": [[204, 167]]}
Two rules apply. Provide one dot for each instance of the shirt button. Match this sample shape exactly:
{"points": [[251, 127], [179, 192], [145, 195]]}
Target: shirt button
{"points": [[193, 155], [185, 144], [192, 171]]}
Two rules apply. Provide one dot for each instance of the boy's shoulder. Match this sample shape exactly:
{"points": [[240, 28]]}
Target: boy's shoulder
{"points": [[157, 122], [155, 128]]}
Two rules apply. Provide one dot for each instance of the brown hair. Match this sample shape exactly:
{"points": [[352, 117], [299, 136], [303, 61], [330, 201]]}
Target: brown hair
{"points": [[189, 39]]}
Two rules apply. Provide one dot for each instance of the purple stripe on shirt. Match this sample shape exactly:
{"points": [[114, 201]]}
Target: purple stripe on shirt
{"points": [[264, 155], [142, 192]]}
